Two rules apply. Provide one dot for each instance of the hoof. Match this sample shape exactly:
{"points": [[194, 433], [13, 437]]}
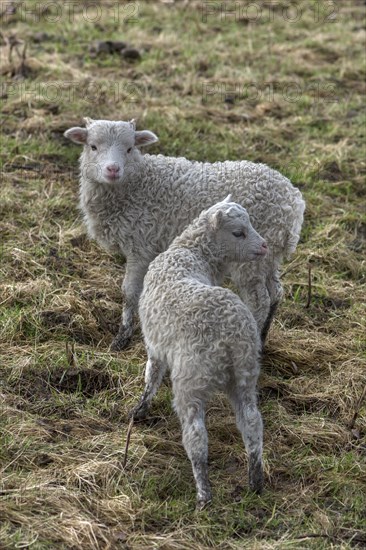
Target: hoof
{"points": [[139, 412], [256, 480], [204, 498], [255, 472], [120, 342], [202, 503], [258, 490]]}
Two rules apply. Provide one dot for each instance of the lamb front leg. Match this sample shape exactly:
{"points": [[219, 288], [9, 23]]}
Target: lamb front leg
{"points": [[262, 293], [154, 373], [131, 290]]}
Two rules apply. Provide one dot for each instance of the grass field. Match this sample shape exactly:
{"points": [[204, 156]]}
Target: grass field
{"points": [[281, 83]]}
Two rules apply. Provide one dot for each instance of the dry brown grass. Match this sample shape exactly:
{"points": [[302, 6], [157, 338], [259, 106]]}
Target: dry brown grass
{"points": [[65, 397]]}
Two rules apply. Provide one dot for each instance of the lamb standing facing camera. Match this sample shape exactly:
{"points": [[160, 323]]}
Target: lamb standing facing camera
{"points": [[137, 204], [205, 334]]}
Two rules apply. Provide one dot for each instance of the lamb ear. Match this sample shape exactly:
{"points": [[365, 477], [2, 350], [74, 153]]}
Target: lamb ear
{"points": [[228, 198], [217, 219], [77, 135], [88, 121], [145, 137]]}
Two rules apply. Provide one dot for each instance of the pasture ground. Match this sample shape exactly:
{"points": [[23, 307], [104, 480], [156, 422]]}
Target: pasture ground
{"points": [[282, 85]]}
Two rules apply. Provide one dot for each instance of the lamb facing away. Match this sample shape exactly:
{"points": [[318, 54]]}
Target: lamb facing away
{"points": [[137, 204], [204, 333]]}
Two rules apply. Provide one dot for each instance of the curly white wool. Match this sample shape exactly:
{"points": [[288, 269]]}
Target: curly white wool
{"points": [[137, 204], [204, 333]]}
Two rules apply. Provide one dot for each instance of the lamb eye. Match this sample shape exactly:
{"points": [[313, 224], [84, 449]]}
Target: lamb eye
{"points": [[93, 147], [129, 150], [239, 234]]}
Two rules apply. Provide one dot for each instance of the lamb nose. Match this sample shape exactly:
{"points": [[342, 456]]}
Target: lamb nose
{"points": [[113, 169]]}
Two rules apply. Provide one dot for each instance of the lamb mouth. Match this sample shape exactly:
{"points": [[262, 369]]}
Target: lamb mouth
{"points": [[115, 178]]}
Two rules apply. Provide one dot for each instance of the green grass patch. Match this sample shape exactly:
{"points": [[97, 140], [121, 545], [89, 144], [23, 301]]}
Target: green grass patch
{"points": [[284, 86]]}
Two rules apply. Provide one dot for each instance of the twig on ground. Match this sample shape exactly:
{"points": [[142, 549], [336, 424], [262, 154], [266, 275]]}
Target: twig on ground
{"points": [[357, 409], [128, 437], [71, 355], [308, 301]]}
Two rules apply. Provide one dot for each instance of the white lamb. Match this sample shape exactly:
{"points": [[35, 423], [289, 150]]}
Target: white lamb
{"points": [[204, 333], [137, 204]]}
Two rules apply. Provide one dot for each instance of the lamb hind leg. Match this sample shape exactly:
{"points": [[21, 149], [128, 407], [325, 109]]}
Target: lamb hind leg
{"points": [[131, 290], [267, 324], [275, 292], [191, 414], [249, 423]]}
